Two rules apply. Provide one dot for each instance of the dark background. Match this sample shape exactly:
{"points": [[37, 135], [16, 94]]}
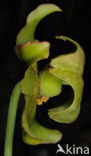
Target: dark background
{"points": [[75, 22]]}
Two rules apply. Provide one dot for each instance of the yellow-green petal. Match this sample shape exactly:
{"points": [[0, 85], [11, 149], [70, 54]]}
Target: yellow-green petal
{"points": [[69, 68], [33, 19], [70, 62], [68, 112]]}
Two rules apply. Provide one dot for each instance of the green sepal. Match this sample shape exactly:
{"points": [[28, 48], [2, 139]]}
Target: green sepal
{"points": [[28, 82], [31, 52], [27, 32], [33, 132]]}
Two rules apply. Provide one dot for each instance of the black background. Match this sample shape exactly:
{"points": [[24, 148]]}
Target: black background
{"points": [[75, 22]]}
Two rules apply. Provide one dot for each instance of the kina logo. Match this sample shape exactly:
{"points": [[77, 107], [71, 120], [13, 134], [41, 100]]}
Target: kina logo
{"points": [[73, 150]]}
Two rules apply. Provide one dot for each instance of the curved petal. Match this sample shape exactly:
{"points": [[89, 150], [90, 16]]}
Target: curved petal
{"points": [[68, 112], [69, 68], [70, 62], [27, 33], [34, 133]]}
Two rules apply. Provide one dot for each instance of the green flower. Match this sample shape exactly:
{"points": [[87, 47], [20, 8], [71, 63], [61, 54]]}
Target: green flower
{"points": [[38, 87]]}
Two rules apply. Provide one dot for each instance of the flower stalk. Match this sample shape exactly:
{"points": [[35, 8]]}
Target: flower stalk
{"points": [[11, 120]]}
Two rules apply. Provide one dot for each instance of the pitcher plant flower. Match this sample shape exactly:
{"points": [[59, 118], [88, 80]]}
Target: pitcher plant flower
{"points": [[38, 86]]}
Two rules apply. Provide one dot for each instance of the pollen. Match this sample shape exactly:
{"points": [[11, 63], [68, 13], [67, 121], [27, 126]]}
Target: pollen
{"points": [[42, 100]]}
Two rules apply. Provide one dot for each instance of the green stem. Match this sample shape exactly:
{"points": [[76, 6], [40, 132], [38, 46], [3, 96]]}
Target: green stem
{"points": [[11, 120]]}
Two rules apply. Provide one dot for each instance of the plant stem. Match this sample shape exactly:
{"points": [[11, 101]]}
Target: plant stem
{"points": [[11, 120]]}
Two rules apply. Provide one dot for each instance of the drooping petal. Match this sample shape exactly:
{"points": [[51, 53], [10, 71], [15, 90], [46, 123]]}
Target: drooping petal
{"points": [[68, 112], [69, 68], [33, 19], [70, 62], [34, 133]]}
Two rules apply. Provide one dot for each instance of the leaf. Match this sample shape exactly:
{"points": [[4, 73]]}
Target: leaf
{"points": [[34, 133], [33, 19]]}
